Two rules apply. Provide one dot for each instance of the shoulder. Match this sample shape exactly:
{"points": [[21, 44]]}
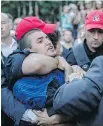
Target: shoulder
{"points": [[70, 58], [95, 72]]}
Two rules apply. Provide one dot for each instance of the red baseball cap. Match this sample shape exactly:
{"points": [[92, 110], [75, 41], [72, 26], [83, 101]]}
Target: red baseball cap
{"points": [[30, 23], [94, 20]]}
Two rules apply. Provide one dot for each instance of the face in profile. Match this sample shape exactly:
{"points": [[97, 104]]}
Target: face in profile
{"points": [[41, 43]]}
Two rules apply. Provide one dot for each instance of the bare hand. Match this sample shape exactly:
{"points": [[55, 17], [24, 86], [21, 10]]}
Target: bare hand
{"points": [[44, 119], [78, 69], [62, 63], [75, 76]]}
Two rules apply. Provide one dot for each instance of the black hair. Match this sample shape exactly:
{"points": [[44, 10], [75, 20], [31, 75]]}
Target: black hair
{"points": [[54, 37], [25, 42]]}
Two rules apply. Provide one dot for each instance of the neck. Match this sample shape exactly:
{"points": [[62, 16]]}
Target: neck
{"points": [[7, 40], [67, 44]]}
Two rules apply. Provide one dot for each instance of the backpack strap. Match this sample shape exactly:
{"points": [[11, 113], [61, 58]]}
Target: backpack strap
{"points": [[81, 56]]}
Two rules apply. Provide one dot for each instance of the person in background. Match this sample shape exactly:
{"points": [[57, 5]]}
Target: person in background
{"points": [[81, 8], [16, 21], [67, 17], [84, 52], [99, 5], [80, 34], [88, 6], [9, 104], [67, 41], [8, 43], [76, 18]]}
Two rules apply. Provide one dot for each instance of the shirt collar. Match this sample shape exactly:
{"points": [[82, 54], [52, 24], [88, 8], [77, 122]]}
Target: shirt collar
{"points": [[13, 42]]}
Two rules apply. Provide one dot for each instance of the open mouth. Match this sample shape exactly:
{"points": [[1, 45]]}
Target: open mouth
{"points": [[51, 48]]}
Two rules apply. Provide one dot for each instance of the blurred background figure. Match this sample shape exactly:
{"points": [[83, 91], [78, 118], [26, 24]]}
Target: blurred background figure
{"points": [[89, 6], [81, 8], [67, 41], [76, 18], [80, 34], [16, 21], [8, 43], [99, 4], [67, 17]]}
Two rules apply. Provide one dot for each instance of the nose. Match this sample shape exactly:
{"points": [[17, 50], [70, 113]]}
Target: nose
{"points": [[48, 42], [96, 35]]}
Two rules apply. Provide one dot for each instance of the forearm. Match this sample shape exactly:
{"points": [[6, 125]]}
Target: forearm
{"points": [[60, 119], [67, 71], [78, 99], [38, 64]]}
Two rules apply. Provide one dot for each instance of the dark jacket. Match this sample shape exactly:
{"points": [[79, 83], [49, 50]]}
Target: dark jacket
{"points": [[9, 105], [70, 57], [83, 99], [13, 66]]}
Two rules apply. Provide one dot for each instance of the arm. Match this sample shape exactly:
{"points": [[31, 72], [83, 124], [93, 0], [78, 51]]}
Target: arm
{"points": [[19, 64], [38, 64], [13, 108], [64, 66], [81, 97], [44, 119]]}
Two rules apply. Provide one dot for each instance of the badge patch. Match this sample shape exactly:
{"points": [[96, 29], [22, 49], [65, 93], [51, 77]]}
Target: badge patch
{"points": [[85, 67], [96, 18]]}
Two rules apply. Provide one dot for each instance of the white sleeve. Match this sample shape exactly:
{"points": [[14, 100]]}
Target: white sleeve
{"points": [[29, 116]]}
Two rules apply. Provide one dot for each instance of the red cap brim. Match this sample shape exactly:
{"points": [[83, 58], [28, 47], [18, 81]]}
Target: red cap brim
{"points": [[49, 28], [91, 26]]}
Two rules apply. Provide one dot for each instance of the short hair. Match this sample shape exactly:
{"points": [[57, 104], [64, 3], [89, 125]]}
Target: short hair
{"points": [[54, 37], [6, 16], [10, 16], [25, 42]]}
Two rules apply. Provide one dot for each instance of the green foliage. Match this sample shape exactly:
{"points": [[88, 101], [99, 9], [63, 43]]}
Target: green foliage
{"points": [[48, 10]]}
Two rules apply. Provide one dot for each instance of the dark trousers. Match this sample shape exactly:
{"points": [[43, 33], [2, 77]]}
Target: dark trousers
{"points": [[24, 123], [5, 120]]}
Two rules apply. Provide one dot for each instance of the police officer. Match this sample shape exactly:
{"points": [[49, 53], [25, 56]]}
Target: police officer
{"points": [[84, 53]]}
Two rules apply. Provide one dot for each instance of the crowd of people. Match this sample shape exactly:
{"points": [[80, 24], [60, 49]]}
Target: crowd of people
{"points": [[53, 75], [73, 16]]}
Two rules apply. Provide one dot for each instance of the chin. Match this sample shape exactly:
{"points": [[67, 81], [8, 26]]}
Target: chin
{"points": [[96, 46], [52, 54]]}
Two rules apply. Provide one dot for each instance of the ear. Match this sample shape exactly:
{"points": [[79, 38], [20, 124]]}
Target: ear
{"points": [[10, 25]]}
